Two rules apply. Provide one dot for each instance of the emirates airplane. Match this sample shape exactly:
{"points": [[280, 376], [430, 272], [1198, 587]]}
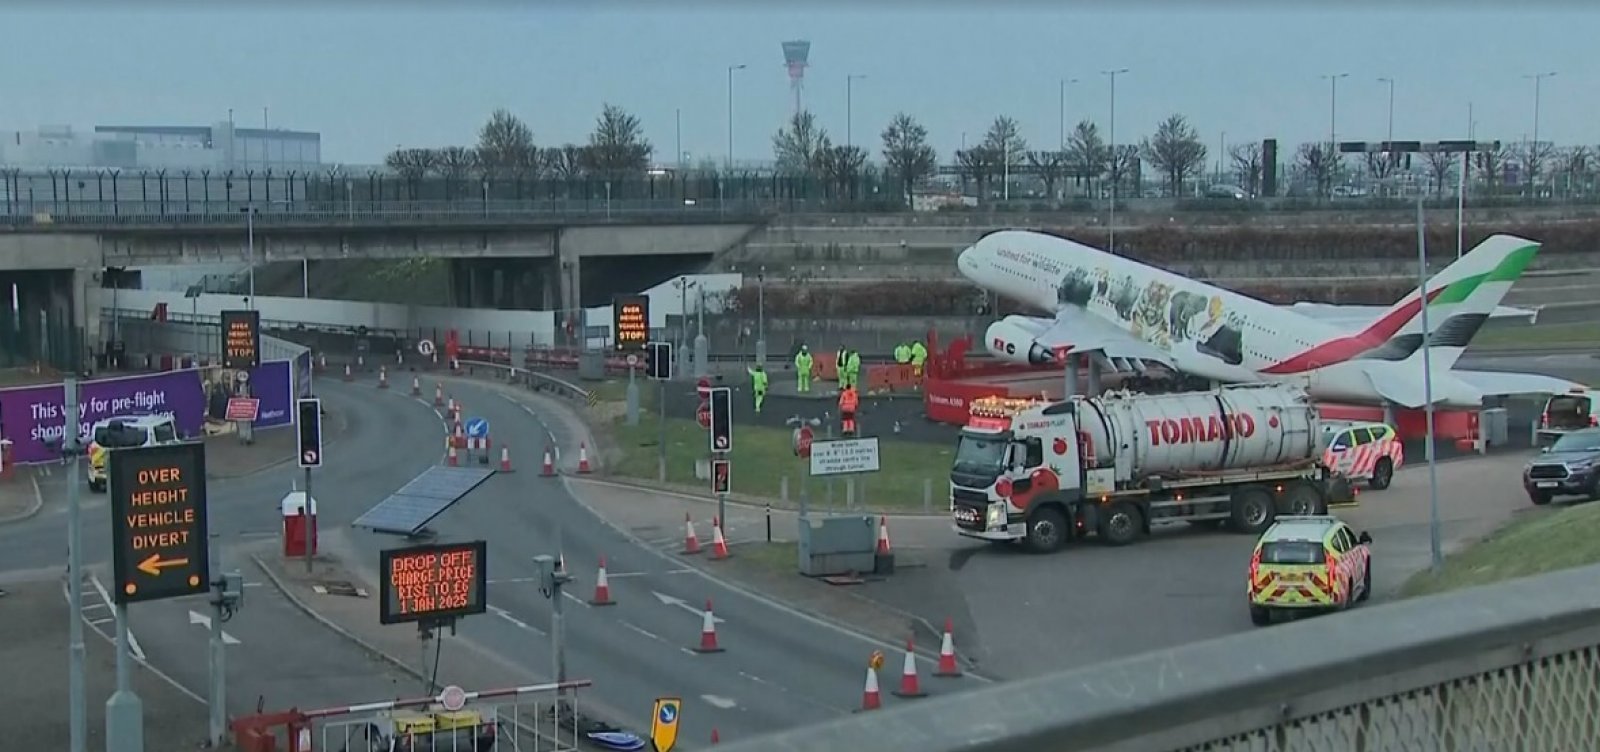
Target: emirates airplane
{"points": [[1128, 315]]}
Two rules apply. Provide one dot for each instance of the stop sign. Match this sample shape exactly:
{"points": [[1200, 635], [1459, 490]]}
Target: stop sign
{"points": [[802, 441], [703, 414]]}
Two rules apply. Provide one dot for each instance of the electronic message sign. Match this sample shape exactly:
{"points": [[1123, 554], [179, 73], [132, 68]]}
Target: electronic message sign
{"points": [[158, 522], [241, 339], [439, 581], [630, 322]]}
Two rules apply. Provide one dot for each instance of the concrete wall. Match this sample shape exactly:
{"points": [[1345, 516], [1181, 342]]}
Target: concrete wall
{"points": [[204, 340]]}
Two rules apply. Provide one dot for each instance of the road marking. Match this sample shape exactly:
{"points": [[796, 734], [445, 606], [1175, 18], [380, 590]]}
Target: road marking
{"points": [[196, 617], [643, 631], [101, 620], [719, 702], [647, 574], [667, 600], [575, 599], [133, 642], [520, 624]]}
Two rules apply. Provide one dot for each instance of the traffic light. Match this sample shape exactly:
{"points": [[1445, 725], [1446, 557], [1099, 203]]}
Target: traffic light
{"points": [[721, 476], [721, 419], [658, 361], [308, 411]]}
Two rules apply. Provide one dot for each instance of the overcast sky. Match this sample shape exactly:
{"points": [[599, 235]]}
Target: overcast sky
{"points": [[371, 77]]}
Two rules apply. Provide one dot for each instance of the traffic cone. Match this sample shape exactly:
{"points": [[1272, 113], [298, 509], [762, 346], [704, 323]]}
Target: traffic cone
{"points": [[438, 394], [450, 407], [708, 632], [691, 542], [505, 458], [883, 536], [719, 544], [714, 737], [461, 441], [322, 362], [549, 469], [416, 387], [947, 654], [347, 375], [383, 377], [450, 457], [602, 588], [909, 686], [583, 457], [870, 699]]}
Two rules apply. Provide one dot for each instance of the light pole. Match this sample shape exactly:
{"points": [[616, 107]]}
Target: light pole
{"points": [[1062, 116], [250, 249], [1333, 107], [849, 105], [731, 69], [1390, 82], [1538, 81], [761, 317], [1116, 173]]}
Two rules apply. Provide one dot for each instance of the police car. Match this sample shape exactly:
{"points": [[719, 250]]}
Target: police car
{"points": [[1308, 563], [1363, 451], [125, 432]]}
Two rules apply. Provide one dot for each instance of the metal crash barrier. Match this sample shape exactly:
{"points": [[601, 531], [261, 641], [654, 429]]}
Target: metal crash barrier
{"points": [[531, 380], [1512, 667], [535, 718]]}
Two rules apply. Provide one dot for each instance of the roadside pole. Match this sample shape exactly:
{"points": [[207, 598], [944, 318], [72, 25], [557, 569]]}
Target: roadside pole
{"points": [[124, 711], [218, 701], [661, 432], [70, 449], [1434, 547], [306, 512]]}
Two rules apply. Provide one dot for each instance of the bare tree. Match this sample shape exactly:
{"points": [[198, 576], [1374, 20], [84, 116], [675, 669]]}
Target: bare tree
{"points": [[907, 153], [1004, 140], [841, 165], [412, 165], [1441, 164], [1121, 167], [1534, 156], [1087, 152], [1320, 162], [617, 146], [568, 162], [1492, 167], [1247, 165], [797, 146], [454, 164], [978, 164], [504, 142], [1577, 163], [1383, 165], [1176, 151], [1050, 166]]}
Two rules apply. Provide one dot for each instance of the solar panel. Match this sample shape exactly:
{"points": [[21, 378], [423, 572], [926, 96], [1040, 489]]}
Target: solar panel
{"points": [[424, 498]]}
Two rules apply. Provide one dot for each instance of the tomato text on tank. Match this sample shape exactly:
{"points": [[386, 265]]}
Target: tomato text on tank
{"points": [[1196, 430]]}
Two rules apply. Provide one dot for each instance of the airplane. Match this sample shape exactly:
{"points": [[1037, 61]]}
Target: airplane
{"points": [[1129, 315]]}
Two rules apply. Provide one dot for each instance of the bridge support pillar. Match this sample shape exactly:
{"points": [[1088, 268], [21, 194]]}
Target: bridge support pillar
{"points": [[1094, 376], [1070, 390]]}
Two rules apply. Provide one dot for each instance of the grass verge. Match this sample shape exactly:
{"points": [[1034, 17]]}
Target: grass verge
{"points": [[1536, 542], [1538, 336]]}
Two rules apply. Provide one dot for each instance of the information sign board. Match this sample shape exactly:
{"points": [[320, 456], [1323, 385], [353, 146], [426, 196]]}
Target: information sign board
{"points": [[631, 322], [842, 456], [241, 339], [158, 522], [437, 581]]}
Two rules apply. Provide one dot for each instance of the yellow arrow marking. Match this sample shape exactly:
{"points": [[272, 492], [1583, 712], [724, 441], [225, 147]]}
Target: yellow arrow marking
{"points": [[153, 565]]}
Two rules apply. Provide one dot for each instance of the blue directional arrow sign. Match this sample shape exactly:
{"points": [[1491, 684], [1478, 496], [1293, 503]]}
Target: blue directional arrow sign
{"points": [[477, 428], [664, 726]]}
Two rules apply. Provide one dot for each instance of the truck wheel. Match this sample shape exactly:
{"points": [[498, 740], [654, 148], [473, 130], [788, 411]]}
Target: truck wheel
{"points": [[1382, 475], [1047, 530], [1260, 616], [1539, 498], [1302, 498], [97, 486], [1252, 509], [1121, 525]]}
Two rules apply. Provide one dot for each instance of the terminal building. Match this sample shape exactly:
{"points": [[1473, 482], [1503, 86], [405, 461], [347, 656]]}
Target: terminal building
{"points": [[218, 147]]}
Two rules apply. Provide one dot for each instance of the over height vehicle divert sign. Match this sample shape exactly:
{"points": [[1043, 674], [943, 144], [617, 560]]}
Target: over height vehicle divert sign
{"points": [[158, 522]]}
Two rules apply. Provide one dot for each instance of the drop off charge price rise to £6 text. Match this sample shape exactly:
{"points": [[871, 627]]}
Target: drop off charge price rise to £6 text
{"points": [[433, 582]]}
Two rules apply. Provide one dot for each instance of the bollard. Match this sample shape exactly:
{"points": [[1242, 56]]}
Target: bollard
{"points": [[783, 492], [927, 495]]}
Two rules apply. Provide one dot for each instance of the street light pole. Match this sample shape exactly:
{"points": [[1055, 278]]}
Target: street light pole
{"points": [[761, 317], [1116, 174], [1333, 107], [1062, 115], [1434, 547], [250, 242], [1390, 82], [731, 69], [1538, 81], [849, 106]]}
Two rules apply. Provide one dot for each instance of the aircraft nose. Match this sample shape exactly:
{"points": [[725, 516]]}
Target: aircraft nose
{"points": [[964, 259]]}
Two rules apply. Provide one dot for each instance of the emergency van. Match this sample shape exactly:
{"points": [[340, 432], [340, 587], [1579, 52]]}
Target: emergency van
{"points": [[1578, 408], [122, 433], [1308, 563], [1046, 473], [1363, 451]]}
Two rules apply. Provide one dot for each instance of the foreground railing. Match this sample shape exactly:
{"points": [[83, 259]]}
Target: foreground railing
{"points": [[1509, 667]]}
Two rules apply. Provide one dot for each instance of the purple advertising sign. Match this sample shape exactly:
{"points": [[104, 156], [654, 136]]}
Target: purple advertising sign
{"points": [[32, 416]]}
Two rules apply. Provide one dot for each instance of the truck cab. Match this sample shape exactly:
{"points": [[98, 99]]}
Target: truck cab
{"points": [[125, 432]]}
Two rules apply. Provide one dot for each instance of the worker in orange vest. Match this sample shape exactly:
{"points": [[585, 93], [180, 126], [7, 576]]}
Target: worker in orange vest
{"points": [[848, 402]]}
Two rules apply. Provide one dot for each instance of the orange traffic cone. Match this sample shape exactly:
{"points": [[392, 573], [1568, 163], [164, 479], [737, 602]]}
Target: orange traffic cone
{"points": [[719, 544], [383, 377], [450, 456], [870, 699], [909, 686], [583, 457], [460, 435], [948, 669], [438, 394], [416, 387], [708, 632], [450, 407], [883, 536], [691, 542], [347, 375], [714, 737], [602, 588], [505, 458], [549, 469]]}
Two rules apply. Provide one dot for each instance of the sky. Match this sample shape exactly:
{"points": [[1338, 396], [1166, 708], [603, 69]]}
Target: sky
{"points": [[371, 77]]}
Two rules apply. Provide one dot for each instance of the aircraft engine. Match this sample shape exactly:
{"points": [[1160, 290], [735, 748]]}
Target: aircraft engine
{"points": [[1014, 339]]}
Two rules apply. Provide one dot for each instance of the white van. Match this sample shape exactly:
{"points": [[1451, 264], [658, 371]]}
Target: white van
{"points": [[1568, 412], [125, 432]]}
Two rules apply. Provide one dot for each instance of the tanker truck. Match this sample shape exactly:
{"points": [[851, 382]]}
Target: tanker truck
{"points": [[1044, 473]]}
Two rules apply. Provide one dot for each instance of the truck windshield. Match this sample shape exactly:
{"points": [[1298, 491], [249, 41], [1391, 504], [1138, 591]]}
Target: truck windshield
{"points": [[980, 454]]}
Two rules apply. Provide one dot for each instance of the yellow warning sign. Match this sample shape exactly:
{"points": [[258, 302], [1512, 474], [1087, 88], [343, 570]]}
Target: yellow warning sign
{"points": [[664, 724]]}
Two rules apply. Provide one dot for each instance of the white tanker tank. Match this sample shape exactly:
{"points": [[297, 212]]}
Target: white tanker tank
{"points": [[1235, 427]]}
